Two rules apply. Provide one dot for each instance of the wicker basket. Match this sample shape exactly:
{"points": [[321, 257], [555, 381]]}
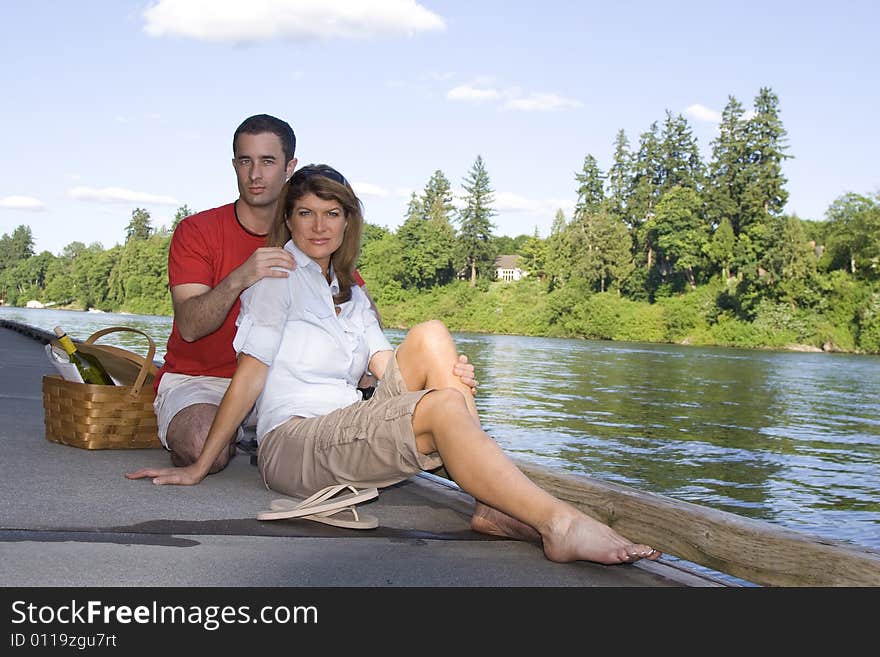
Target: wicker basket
{"points": [[105, 417]]}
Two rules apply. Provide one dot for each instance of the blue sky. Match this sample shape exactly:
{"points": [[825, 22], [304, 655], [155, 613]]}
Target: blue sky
{"points": [[111, 105]]}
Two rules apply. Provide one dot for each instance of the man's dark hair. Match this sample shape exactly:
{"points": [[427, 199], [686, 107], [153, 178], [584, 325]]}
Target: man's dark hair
{"points": [[260, 123]]}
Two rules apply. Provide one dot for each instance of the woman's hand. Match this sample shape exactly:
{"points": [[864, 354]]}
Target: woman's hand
{"points": [[186, 476], [465, 371]]}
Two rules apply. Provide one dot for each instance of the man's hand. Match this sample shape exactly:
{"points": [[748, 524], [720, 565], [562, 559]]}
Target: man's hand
{"points": [[268, 261], [465, 371], [187, 476]]}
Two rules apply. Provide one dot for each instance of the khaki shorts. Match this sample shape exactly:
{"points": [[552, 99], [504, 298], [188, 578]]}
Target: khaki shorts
{"points": [[367, 444], [178, 391]]}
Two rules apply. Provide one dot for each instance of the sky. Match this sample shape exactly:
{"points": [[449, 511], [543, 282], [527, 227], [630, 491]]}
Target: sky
{"points": [[112, 105]]}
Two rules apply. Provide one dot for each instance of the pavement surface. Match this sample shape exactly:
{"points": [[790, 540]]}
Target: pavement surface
{"points": [[70, 518]]}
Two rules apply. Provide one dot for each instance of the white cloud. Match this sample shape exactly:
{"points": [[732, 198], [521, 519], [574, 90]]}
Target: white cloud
{"points": [[703, 113], [510, 202], [21, 203], [118, 195], [514, 98], [235, 21], [369, 189], [468, 93], [540, 102]]}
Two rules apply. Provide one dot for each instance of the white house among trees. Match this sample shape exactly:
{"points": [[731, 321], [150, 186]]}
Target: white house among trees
{"points": [[507, 268]]}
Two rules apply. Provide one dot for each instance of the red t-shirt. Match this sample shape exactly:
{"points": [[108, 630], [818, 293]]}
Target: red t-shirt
{"points": [[205, 248]]}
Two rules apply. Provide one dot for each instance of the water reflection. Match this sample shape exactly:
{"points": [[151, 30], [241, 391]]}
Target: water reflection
{"points": [[792, 438]]}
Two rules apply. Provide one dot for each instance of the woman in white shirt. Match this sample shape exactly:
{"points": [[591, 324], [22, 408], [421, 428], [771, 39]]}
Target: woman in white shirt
{"points": [[303, 343]]}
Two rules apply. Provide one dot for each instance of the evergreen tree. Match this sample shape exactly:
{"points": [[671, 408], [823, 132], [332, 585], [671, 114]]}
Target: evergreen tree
{"points": [[644, 194], [590, 191], [679, 158], [139, 228], [475, 226], [720, 247], [436, 202], [727, 169], [558, 263], [646, 178], [603, 256], [427, 238], [853, 243], [763, 192], [182, 213], [680, 232], [766, 139], [619, 177], [16, 247], [534, 256]]}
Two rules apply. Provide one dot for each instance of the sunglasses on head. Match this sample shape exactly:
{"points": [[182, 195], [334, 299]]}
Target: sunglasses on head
{"points": [[321, 170]]}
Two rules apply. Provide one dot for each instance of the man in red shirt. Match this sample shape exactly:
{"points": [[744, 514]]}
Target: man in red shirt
{"points": [[214, 256]]}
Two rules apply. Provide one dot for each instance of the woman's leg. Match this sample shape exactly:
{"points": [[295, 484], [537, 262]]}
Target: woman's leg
{"points": [[446, 421], [425, 359], [443, 423]]}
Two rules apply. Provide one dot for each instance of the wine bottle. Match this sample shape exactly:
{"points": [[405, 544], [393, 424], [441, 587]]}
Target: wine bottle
{"points": [[90, 368]]}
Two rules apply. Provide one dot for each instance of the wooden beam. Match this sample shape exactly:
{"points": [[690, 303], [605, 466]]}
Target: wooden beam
{"points": [[754, 550]]}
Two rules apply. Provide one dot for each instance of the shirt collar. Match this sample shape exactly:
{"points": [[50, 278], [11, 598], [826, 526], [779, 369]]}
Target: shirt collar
{"points": [[302, 260]]}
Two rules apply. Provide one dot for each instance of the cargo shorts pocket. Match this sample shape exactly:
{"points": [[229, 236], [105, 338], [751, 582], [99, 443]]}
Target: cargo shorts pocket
{"points": [[343, 436]]}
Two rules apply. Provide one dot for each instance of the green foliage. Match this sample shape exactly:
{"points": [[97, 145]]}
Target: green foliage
{"points": [[475, 226], [662, 249], [590, 190], [140, 226], [680, 232], [869, 324], [180, 214], [854, 236], [16, 247]]}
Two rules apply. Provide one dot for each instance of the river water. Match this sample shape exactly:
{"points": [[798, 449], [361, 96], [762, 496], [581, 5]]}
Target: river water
{"points": [[791, 438]]}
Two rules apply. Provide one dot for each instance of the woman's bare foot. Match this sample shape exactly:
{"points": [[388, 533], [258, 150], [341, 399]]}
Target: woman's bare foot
{"points": [[577, 537], [487, 520]]}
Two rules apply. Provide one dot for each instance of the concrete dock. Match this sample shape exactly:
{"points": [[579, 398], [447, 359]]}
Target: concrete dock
{"points": [[69, 518]]}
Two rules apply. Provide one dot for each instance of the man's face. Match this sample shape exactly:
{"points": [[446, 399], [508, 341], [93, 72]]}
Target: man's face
{"points": [[260, 168]]}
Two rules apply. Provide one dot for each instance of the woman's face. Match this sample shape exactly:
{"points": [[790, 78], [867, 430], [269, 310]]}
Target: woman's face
{"points": [[317, 227]]}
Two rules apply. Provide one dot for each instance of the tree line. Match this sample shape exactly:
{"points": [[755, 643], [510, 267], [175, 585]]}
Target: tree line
{"points": [[661, 246]]}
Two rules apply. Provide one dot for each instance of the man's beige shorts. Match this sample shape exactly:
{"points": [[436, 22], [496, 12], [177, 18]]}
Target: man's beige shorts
{"points": [[177, 391], [367, 444]]}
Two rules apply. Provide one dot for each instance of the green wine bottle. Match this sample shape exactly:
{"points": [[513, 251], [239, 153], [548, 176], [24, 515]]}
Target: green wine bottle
{"points": [[90, 368]]}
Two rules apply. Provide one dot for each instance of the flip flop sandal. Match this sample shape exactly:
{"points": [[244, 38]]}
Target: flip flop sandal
{"points": [[325, 502], [357, 521]]}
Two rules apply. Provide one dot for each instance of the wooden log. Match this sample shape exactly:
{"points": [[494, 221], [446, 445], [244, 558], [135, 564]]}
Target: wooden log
{"points": [[754, 550]]}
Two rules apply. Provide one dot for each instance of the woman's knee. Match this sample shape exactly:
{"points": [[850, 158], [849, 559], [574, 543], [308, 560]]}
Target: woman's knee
{"points": [[446, 401], [430, 334]]}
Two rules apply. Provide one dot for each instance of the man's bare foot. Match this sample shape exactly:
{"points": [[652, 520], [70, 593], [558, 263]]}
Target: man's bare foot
{"points": [[487, 520], [578, 537]]}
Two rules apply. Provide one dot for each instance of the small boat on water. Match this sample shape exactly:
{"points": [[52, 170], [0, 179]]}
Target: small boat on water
{"points": [[76, 521]]}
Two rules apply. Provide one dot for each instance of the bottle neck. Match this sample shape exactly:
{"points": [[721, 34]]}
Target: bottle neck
{"points": [[67, 344]]}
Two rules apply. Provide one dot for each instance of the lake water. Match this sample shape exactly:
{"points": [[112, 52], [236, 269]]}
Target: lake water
{"points": [[791, 438]]}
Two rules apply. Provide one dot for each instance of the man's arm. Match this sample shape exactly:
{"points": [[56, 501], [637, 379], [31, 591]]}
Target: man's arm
{"points": [[199, 309]]}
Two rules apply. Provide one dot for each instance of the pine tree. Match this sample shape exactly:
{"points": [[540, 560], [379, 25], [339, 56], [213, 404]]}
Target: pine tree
{"points": [[139, 228], [766, 138], [619, 178], [534, 256], [427, 238], [680, 162], [182, 213], [436, 201], [591, 189], [727, 169], [475, 227]]}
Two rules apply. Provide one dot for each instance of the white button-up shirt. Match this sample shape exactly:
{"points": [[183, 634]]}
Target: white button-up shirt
{"points": [[315, 356]]}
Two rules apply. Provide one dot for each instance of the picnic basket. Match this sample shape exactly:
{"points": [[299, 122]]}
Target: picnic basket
{"points": [[105, 417]]}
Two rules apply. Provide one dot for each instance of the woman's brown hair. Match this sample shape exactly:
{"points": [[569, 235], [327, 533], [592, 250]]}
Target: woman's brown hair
{"points": [[328, 184]]}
